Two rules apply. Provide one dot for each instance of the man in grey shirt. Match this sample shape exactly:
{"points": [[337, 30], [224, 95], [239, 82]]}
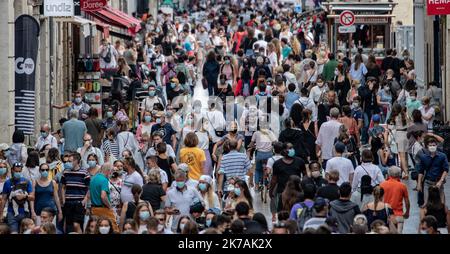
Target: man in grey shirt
{"points": [[73, 132]]}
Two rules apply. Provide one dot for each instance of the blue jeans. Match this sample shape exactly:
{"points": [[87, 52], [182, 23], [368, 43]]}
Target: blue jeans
{"points": [[14, 221], [259, 159]]}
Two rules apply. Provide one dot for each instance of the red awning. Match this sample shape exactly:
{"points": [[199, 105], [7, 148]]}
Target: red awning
{"points": [[118, 18]]}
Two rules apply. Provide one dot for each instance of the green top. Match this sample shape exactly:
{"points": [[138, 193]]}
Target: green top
{"points": [[99, 183], [328, 70]]}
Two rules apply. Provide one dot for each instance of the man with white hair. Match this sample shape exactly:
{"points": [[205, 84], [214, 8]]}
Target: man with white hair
{"points": [[46, 138], [190, 183], [89, 149], [100, 195], [396, 194], [73, 132], [328, 132]]}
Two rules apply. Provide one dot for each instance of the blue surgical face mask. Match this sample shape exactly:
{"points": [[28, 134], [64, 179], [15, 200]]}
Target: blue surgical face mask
{"points": [[173, 85], [151, 93], [44, 174], [237, 192], [109, 114], [180, 185], [202, 186], [208, 223], [78, 100], [291, 152], [145, 86], [44, 134], [92, 164], [158, 120], [2, 171], [68, 165], [147, 119], [144, 215], [17, 175]]}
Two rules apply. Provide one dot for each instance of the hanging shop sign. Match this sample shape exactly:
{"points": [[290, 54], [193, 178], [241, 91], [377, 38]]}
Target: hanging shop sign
{"points": [[438, 7], [59, 8], [92, 5]]}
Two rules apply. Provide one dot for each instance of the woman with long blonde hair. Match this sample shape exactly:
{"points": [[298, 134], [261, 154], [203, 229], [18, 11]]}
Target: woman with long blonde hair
{"points": [[206, 189], [295, 45], [277, 45]]}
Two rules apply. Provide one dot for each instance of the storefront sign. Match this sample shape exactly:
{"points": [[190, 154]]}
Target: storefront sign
{"points": [[26, 47], [347, 29], [347, 18], [58, 8], [367, 21], [92, 5], [438, 7]]}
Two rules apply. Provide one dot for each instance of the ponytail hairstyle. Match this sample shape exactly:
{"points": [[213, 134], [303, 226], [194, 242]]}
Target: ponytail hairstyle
{"points": [[136, 190], [378, 194], [130, 161]]}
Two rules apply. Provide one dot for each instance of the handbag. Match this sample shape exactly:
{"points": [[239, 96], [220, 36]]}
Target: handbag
{"points": [[204, 83]]}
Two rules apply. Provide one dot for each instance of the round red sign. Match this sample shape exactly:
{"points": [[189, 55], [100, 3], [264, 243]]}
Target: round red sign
{"points": [[347, 18]]}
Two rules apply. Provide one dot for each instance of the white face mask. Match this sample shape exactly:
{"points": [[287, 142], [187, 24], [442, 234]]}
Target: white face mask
{"points": [[182, 226], [423, 232], [315, 174], [160, 227], [432, 149], [104, 230]]}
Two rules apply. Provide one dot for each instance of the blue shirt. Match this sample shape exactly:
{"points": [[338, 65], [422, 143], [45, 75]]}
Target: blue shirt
{"points": [[291, 97], [432, 168], [98, 183], [26, 185], [73, 132]]}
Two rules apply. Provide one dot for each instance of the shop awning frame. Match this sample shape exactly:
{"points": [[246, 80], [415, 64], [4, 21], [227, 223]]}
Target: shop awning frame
{"points": [[117, 18]]}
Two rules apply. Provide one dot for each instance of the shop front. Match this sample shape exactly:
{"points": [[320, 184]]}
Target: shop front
{"points": [[372, 27]]}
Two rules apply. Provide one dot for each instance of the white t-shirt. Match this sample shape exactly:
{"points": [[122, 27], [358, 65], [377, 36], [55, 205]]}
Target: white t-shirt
{"points": [[343, 165], [263, 141], [114, 54], [203, 140], [308, 103], [128, 181], [427, 113], [272, 160], [367, 168], [273, 59], [216, 122], [316, 92], [328, 132]]}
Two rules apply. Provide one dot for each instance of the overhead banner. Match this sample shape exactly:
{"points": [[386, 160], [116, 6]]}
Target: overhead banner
{"points": [[26, 46], [438, 7]]}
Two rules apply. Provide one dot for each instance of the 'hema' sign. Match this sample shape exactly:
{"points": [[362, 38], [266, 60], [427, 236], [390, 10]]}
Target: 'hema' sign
{"points": [[58, 8], [438, 7]]}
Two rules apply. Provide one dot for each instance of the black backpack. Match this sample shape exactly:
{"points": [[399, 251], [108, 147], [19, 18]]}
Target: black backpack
{"points": [[107, 58]]}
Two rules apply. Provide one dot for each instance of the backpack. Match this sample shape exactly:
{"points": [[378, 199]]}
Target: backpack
{"points": [[107, 58], [304, 215]]}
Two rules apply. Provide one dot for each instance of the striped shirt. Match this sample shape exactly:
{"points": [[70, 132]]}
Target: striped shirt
{"points": [[235, 164], [76, 183], [111, 147], [314, 222]]}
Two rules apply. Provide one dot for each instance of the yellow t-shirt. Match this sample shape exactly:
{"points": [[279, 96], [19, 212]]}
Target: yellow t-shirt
{"points": [[193, 157]]}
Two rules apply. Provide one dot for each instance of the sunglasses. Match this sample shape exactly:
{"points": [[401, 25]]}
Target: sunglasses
{"points": [[44, 169]]}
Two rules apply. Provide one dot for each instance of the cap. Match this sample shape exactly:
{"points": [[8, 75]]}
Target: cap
{"points": [[320, 202], [206, 178], [4, 146], [376, 118], [184, 167], [371, 78], [17, 165], [339, 147]]}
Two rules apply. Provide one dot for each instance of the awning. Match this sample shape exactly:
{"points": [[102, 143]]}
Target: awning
{"points": [[87, 27], [118, 18]]}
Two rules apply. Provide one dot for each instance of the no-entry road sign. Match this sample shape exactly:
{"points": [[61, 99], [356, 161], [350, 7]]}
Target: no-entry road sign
{"points": [[347, 18]]}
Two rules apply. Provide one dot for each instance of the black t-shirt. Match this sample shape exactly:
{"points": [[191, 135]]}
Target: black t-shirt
{"points": [[152, 193], [164, 164], [283, 171], [166, 130], [330, 192]]}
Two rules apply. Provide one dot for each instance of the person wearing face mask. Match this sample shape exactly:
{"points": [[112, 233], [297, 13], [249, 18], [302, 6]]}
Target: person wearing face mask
{"points": [[188, 126], [4, 175], [165, 128], [232, 134], [282, 169], [429, 225], [179, 199], [144, 128], [17, 193], [174, 89], [318, 91], [46, 195], [330, 68], [206, 189], [436, 208], [104, 226], [315, 176], [108, 119], [183, 221], [433, 168], [428, 112], [45, 138], [412, 104], [141, 215], [87, 150], [80, 106], [369, 104], [385, 100], [161, 216]]}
